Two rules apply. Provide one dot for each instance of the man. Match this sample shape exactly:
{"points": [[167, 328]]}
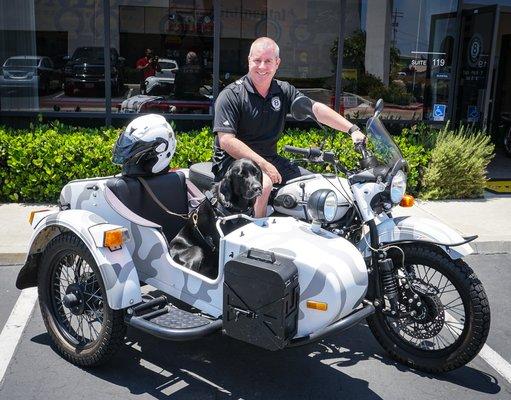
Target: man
{"points": [[147, 66], [250, 115], [189, 78]]}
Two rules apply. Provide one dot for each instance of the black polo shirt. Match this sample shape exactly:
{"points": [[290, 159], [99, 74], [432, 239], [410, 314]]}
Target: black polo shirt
{"points": [[255, 120]]}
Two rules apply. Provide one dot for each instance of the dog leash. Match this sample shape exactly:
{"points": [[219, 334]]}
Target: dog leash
{"points": [[194, 215], [155, 199]]}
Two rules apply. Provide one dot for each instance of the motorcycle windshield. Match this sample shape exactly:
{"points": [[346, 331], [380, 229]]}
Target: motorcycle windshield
{"points": [[381, 144]]}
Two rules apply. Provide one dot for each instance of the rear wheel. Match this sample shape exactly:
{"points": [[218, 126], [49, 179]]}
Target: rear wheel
{"points": [[445, 315], [72, 297]]}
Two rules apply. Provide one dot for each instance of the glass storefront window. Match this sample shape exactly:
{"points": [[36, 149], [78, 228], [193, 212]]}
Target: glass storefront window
{"points": [[401, 51], [168, 47], [51, 56], [306, 32]]}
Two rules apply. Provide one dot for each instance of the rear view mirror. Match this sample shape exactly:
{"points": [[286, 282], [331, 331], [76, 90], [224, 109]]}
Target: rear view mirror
{"points": [[301, 109]]}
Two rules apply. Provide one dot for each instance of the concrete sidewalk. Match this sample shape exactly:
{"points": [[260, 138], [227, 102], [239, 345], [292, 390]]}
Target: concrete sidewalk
{"points": [[490, 218]]}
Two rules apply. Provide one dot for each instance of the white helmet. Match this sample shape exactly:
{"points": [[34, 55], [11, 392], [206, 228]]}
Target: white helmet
{"points": [[146, 146]]}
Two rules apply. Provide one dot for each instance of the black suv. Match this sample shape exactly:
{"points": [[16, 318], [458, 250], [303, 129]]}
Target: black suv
{"points": [[85, 70]]}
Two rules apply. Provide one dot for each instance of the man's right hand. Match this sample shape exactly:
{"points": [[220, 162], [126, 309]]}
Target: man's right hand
{"points": [[270, 170]]}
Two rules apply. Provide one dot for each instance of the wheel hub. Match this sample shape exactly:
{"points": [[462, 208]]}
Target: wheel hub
{"points": [[426, 318], [74, 299]]}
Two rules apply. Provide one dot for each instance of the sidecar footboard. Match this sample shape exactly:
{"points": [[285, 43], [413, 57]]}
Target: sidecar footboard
{"points": [[169, 322], [339, 326]]}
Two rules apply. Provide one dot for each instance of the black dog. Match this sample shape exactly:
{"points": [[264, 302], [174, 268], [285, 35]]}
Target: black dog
{"points": [[240, 186], [196, 244]]}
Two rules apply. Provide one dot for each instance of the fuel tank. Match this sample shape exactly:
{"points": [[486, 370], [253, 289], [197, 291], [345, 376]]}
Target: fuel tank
{"points": [[290, 199], [330, 269]]}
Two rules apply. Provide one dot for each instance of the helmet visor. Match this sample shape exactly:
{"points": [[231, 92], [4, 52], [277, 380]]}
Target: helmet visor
{"points": [[123, 148]]}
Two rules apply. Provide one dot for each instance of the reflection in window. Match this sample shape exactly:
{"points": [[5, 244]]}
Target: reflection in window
{"points": [[305, 30], [400, 51], [169, 56], [37, 43]]}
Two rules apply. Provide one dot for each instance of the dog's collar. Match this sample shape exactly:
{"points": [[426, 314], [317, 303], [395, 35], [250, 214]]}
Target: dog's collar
{"points": [[225, 212]]}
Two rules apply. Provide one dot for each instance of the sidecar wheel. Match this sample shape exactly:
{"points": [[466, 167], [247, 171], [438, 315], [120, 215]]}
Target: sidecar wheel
{"points": [[72, 298], [452, 324]]}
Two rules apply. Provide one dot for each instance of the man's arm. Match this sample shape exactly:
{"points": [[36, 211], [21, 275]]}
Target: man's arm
{"points": [[141, 66], [237, 149], [327, 116]]}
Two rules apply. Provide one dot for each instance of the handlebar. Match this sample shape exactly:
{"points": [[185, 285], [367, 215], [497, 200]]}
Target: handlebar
{"points": [[312, 152]]}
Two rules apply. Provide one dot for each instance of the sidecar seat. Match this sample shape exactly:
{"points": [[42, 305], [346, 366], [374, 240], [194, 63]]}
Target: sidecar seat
{"points": [[201, 175], [169, 188]]}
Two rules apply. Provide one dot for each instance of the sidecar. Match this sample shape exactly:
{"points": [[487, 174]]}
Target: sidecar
{"points": [[280, 283]]}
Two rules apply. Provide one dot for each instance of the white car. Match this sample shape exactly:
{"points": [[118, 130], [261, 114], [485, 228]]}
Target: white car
{"points": [[162, 83], [29, 72]]}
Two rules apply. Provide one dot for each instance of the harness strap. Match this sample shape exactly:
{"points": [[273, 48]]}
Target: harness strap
{"points": [[155, 199], [194, 215]]}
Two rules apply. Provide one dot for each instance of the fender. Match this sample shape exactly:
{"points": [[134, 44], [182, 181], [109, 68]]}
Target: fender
{"points": [[418, 229], [116, 267]]}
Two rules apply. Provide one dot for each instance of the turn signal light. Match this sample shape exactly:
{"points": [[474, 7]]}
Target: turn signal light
{"points": [[32, 215], [407, 201], [317, 305], [113, 239]]}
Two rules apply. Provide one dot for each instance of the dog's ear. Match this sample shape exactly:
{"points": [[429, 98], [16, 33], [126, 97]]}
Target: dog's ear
{"points": [[224, 191]]}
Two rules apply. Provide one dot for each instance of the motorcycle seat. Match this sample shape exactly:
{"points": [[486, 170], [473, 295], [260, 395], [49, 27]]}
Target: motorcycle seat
{"points": [[170, 189], [200, 174]]}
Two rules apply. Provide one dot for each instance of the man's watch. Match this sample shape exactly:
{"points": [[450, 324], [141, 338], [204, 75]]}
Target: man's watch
{"points": [[353, 128]]}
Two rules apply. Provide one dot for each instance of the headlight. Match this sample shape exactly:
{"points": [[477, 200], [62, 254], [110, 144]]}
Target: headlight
{"points": [[322, 205], [398, 187]]}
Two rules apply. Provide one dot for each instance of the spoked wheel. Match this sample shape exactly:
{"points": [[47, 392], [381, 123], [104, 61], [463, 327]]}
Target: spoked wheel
{"points": [[507, 142], [444, 315], [72, 297]]}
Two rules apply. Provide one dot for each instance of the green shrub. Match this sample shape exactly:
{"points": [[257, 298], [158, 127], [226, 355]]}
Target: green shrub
{"points": [[394, 94], [35, 164], [458, 164], [39, 162]]}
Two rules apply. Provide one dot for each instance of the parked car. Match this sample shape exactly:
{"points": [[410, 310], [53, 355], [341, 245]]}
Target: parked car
{"points": [[85, 70], [162, 83], [25, 72]]}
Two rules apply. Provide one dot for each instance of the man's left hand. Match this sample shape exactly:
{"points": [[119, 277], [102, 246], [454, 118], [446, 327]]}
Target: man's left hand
{"points": [[358, 137]]}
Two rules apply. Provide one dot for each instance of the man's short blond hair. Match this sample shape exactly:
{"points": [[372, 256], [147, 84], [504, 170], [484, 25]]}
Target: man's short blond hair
{"points": [[265, 43]]}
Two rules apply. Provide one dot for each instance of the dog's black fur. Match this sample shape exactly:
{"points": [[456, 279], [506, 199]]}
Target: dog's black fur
{"points": [[196, 244]]}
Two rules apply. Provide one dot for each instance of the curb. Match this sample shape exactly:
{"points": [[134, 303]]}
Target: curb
{"points": [[483, 248], [493, 247], [12, 258]]}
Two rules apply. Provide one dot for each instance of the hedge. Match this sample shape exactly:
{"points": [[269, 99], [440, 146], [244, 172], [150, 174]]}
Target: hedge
{"points": [[36, 163]]}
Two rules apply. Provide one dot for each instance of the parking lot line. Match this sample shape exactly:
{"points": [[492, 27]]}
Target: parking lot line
{"points": [[496, 361], [492, 358], [14, 327]]}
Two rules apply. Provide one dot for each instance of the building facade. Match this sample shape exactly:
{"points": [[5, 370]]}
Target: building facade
{"points": [[430, 60]]}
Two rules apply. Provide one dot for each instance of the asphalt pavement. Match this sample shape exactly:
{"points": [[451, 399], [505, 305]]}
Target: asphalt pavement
{"points": [[347, 366]]}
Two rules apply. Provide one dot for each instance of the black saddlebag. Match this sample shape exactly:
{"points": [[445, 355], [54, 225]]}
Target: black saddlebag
{"points": [[261, 295]]}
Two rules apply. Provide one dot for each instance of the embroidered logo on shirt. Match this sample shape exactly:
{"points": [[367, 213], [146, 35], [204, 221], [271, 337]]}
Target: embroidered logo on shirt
{"points": [[275, 103], [226, 123]]}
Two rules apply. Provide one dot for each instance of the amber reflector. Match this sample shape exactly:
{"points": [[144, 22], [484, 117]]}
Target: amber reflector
{"points": [[32, 214], [407, 201], [112, 238], [317, 305]]}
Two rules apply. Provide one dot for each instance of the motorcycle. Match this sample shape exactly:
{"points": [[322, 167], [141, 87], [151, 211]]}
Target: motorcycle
{"points": [[506, 127], [281, 281]]}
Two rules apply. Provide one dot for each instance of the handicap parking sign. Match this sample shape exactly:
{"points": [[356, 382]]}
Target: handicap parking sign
{"points": [[439, 112], [472, 114]]}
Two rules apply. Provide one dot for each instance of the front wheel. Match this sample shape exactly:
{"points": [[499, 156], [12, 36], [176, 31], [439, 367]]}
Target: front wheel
{"points": [[72, 297], [507, 142], [444, 312]]}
